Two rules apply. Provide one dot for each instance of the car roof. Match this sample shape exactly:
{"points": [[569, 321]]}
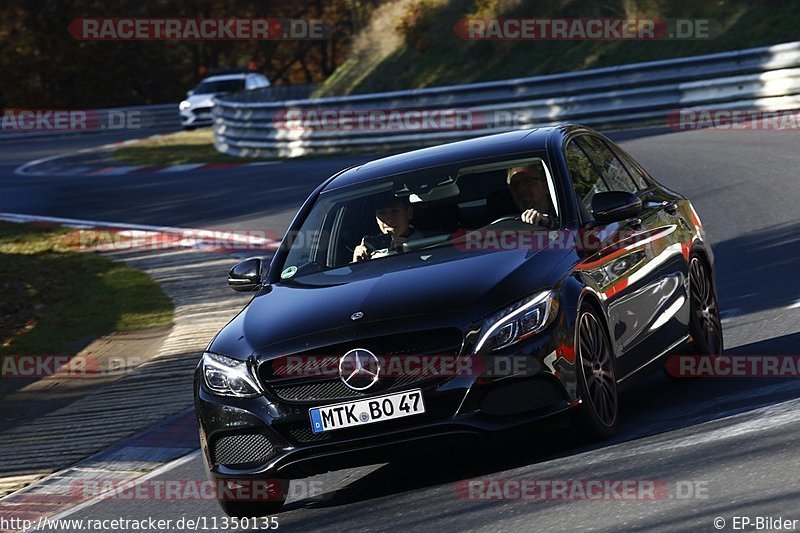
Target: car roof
{"points": [[455, 153], [222, 77]]}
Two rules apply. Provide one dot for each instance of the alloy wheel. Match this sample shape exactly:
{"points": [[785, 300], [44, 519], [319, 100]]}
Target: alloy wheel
{"points": [[705, 310], [598, 369]]}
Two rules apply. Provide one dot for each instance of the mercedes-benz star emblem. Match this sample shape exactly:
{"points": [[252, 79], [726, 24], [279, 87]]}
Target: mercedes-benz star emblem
{"points": [[359, 369], [357, 315]]}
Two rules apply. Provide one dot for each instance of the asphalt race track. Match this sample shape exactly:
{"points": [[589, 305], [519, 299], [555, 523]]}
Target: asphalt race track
{"points": [[733, 440]]}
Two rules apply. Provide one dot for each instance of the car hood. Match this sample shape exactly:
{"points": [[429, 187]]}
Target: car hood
{"points": [[418, 293], [201, 100]]}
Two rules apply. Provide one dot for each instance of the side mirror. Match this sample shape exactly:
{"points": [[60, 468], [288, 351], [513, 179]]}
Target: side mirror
{"points": [[246, 276], [613, 206], [189, 93]]}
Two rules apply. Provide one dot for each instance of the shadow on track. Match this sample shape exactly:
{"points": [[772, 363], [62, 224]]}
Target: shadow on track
{"points": [[758, 271]]}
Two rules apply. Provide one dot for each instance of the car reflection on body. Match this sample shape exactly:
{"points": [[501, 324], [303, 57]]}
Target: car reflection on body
{"points": [[326, 365]]}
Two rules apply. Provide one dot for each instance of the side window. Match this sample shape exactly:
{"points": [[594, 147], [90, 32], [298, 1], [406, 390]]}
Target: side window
{"points": [[635, 171], [585, 179], [614, 172]]}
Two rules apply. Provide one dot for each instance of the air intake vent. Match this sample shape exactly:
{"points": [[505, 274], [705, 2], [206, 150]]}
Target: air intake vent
{"points": [[242, 449], [521, 397]]}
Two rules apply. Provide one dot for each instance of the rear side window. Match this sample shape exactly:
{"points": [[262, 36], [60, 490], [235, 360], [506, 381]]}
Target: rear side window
{"points": [[257, 82], [585, 178], [614, 172]]}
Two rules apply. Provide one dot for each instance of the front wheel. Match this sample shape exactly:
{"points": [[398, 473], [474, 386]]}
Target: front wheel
{"points": [[597, 383]]}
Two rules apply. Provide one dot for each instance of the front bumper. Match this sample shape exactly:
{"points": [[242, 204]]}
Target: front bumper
{"points": [[196, 117], [268, 437]]}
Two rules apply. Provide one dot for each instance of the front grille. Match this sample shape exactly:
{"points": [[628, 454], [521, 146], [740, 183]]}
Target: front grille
{"points": [[321, 390], [521, 396], [241, 449], [335, 389], [326, 387]]}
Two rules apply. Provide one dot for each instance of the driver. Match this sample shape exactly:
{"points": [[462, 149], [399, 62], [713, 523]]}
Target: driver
{"points": [[393, 215], [528, 187]]}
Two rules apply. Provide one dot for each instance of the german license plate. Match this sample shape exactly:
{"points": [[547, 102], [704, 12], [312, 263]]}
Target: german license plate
{"points": [[367, 411]]}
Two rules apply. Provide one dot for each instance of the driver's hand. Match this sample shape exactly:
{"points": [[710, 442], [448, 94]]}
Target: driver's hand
{"points": [[532, 216], [361, 253]]}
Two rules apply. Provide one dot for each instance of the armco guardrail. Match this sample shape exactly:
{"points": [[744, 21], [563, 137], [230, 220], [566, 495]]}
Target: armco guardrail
{"points": [[149, 119], [152, 118], [277, 93], [765, 78]]}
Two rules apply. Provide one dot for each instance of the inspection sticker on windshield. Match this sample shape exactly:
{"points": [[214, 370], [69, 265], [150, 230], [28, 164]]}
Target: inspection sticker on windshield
{"points": [[289, 272], [367, 411]]}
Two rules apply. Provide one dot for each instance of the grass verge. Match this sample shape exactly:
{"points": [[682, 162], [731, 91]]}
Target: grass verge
{"points": [[195, 146], [55, 299]]}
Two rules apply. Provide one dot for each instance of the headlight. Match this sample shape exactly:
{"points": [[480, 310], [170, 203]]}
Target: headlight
{"points": [[228, 377], [184, 105], [518, 321]]}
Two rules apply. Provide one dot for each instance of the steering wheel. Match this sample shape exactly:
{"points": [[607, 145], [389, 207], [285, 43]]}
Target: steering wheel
{"points": [[507, 217], [543, 217]]}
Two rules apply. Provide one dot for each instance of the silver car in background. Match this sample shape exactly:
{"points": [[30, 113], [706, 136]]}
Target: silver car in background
{"points": [[196, 109]]}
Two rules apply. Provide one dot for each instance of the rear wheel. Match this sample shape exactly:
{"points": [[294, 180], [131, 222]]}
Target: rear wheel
{"points": [[597, 383], [705, 326], [704, 323]]}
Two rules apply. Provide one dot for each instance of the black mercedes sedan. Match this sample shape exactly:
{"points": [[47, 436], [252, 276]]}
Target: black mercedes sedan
{"points": [[452, 291]]}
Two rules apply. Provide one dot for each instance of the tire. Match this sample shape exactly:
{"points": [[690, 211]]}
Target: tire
{"points": [[596, 416], [248, 508], [705, 325]]}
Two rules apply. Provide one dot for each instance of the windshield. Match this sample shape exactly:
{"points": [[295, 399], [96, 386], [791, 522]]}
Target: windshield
{"points": [[220, 86], [382, 219]]}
